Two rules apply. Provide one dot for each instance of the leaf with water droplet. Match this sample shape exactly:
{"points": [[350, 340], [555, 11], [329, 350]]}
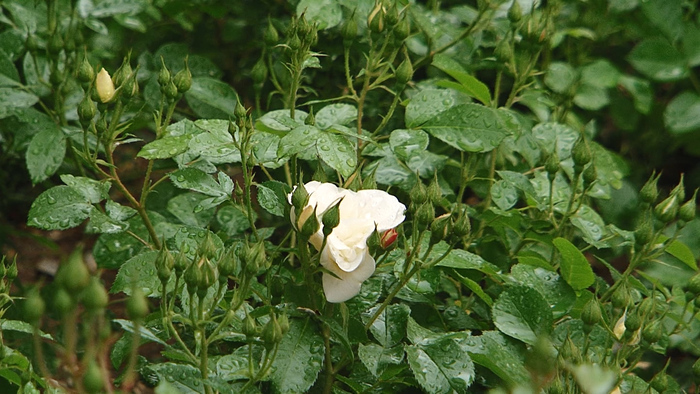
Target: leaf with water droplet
{"points": [[500, 354], [45, 153], [94, 191], [558, 294], [522, 313], [468, 127], [441, 366], [428, 103], [300, 141], [335, 114], [299, 357], [184, 207], [329, 151], [199, 181], [272, 196], [574, 267], [58, 208], [139, 272], [166, 147], [101, 223]]}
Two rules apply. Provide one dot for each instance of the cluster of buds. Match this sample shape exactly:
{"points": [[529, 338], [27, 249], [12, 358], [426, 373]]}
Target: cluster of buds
{"points": [[271, 333], [669, 209], [385, 16], [451, 226], [301, 36], [173, 86]]}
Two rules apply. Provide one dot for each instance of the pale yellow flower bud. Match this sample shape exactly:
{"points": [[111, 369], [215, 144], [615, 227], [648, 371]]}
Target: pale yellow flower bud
{"points": [[104, 86]]}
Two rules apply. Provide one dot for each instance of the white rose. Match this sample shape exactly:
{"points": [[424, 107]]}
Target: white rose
{"points": [[346, 254], [104, 86]]}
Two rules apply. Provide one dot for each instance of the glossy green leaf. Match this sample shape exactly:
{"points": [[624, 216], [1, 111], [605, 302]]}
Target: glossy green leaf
{"points": [[15, 98], [682, 115], [560, 77], [299, 358], [265, 146], [390, 171], [327, 13], [522, 313], [441, 366], [555, 137], [462, 259], [574, 266], [425, 163], [272, 196], [390, 327], [140, 272], [232, 220], [404, 142], [300, 141], [680, 251], [592, 226], [93, 191], [215, 144], [601, 73], [211, 98], [471, 85], [186, 207], [59, 208], [591, 97], [504, 194], [164, 148], [499, 354], [667, 16], [657, 59], [199, 181], [280, 120], [188, 239], [641, 92], [558, 294], [45, 153], [468, 127], [376, 358], [103, 224], [336, 151], [335, 114], [427, 103]]}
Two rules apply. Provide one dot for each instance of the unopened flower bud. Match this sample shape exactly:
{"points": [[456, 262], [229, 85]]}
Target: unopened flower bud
{"points": [[307, 223], [270, 36], [387, 239], [34, 307], [404, 73], [210, 275], [229, 263], [694, 284], [552, 165], [73, 275], [392, 15], [95, 296], [580, 153], [679, 190], [621, 297], [644, 232], [249, 328], [12, 271], [462, 227], [62, 302], [619, 329], [650, 192], [687, 211], [164, 74], [86, 110], [633, 321], [137, 305], [515, 12], [259, 72], [440, 228], [272, 333], [375, 20], [590, 174], [207, 248], [170, 91], [570, 352], [591, 313], [104, 86], [55, 44], [349, 31], [331, 218], [424, 215], [283, 321], [667, 209], [181, 261], [193, 276], [165, 262], [93, 380], [503, 52], [85, 71], [419, 194], [653, 332], [32, 44], [660, 382], [294, 42], [300, 197], [434, 192], [183, 79], [255, 256]]}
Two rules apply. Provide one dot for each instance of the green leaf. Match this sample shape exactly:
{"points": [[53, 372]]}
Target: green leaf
{"points": [[555, 137], [427, 103], [574, 267], [682, 115], [232, 220], [691, 44], [45, 153], [119, 212], [103, 224], [442, 366], [21, 326], [335, 114], [166, 147], [144, 332], [94, 191], [272, 196], [499, 354], [390, 327], [560, 77], [590, 223], [336, 151], [471, 85], [299, 358], [188, 239], [280, 120], [7, 67], [641, 92], [425, 163], [265, 146], [680, 251], [185, 378], [601, 73], [468, 127], [200, 181], [140, 272], [591, 97], [404, 142], [504, 194], [15, 98], [327, 13], [389, 171], [558, 294], [211, 98], [188, 209], [659, 60], [462, 259], [522, 313], [58, 208], [300, 141], [667, 16], [216, 144], [376, 358]]}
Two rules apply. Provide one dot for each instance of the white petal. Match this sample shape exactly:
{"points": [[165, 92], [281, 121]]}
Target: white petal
{"points": [[347, 244], [381, 208], [348, 284]]}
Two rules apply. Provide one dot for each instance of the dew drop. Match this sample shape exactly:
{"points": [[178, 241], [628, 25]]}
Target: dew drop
{"points": [[180, 178]]}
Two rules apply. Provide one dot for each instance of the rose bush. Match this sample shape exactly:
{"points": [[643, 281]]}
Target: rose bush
{"points": [[345, 253]]}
